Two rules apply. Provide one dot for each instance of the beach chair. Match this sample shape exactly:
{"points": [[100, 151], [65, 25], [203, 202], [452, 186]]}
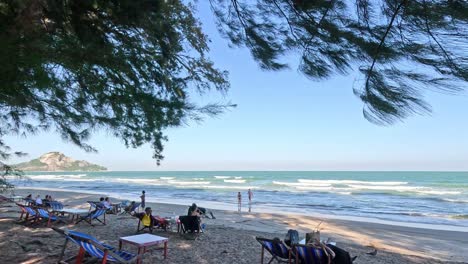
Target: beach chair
{"points": [[55, 206], [92, 205], [160, 223], [23, 211], [189, 224], [95, 249], [308, 254], [94, 215], [130, 210], [45, 215], [31, 215], [278, 250]]}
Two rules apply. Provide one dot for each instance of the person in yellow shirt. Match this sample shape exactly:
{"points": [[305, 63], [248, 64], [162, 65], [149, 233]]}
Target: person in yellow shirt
{"points": [[147, 219]]}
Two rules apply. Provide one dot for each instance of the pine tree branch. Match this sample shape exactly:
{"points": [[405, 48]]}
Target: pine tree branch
{"points": [[382, 41]]}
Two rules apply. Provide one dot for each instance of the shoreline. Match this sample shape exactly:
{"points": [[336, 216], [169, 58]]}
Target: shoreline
{"points": [[263, 209], [406, 241]]}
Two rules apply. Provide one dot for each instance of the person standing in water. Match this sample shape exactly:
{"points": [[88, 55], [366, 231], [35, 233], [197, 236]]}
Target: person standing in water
{"points": [[250, 195], [142, 197], [239, 201]]}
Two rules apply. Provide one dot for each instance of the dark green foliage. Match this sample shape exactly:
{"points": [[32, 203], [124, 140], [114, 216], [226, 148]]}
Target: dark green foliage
{"points": [[121, 65], [401, 47]]}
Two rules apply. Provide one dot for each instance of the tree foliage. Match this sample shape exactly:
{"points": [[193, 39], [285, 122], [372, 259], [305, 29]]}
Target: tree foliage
{"points": [[401, 47], [125, 66], [128, 67]]}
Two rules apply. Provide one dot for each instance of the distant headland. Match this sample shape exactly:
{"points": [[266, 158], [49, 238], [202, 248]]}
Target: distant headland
{"points": [[56, 161]]}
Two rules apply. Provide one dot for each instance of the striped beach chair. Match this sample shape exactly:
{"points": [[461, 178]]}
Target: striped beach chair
{"points": [[31, 215], [55, 206], [94, 215], [278, 250], [45, 215], [95, 249], [308, 254]]}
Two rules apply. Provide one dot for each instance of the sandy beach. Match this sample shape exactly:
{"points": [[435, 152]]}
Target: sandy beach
{"points": [[230, 238]]}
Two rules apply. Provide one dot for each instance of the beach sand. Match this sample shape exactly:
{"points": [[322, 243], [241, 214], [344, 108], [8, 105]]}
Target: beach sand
{"points": [[230, 238]]}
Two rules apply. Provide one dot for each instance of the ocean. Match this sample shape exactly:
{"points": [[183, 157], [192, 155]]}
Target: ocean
{"points": [[436, 200]]}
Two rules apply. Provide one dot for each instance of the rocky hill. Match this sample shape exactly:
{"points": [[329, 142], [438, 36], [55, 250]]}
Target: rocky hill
{"points": [[56, 161]]}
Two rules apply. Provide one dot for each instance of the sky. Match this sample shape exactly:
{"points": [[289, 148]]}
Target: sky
{"points": [[284, 121]]}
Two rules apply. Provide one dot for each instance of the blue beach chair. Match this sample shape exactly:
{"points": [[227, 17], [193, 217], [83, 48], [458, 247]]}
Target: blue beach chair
{"points": [[44, 214], [308, 254], [31, 215], [278, 250], [94, 248], [131, 209], [94, 215], [55, 206]]}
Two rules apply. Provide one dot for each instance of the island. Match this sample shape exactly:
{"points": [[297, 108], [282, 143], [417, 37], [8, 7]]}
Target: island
{"points": [[56, 161]]}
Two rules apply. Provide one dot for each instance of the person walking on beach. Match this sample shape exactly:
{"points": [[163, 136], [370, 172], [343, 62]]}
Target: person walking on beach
{"points": [[239, 201], [142, 197]]}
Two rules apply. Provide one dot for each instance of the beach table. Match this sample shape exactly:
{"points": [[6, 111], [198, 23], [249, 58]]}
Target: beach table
{"points": [[16, 198], [72, 212], [144, 241]]}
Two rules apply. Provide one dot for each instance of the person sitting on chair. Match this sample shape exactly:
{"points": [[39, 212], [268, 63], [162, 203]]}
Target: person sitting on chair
{"points": [[38, 200], [199, 211], [148, 220], [129, 207]]}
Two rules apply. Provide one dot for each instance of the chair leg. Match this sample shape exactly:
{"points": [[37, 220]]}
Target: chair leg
{"points": [[79, 258], [62, 253], [104, 258], [263, 252]]}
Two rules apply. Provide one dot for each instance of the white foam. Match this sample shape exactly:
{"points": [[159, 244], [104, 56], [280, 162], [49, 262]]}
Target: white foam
{"points": [[229, 187], [190, 182], [352, 182], [238, 177], [438, 192], [320, 189], [455, 200], [235, 181], [301, 184], [137, 181], [385, 188], [222, 177], [166, 178]]}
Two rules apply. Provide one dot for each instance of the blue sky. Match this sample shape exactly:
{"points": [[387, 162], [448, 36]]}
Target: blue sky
{"points": [[284, 121]]}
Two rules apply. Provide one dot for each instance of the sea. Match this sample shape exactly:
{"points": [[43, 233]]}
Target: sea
{"points": [[435, 200]]}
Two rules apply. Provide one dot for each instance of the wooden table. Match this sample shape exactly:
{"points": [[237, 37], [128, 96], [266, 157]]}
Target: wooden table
{"points": [[144, 241]]}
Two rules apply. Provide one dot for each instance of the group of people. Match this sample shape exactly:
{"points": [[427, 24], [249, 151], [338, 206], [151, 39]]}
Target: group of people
{"points": [[38, 201], [239, 199]]}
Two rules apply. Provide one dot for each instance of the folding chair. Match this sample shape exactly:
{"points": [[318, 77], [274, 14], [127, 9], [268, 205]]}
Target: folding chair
{"points": [[23, 211], [94, 215], [55, 206], [132, 209], [278, 250], [30, 212], [160, 223], [308, 254], [44, 214], [95, 249]]}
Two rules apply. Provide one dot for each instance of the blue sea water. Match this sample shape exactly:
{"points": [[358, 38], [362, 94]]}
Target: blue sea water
{"points": [[436, 198]]}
